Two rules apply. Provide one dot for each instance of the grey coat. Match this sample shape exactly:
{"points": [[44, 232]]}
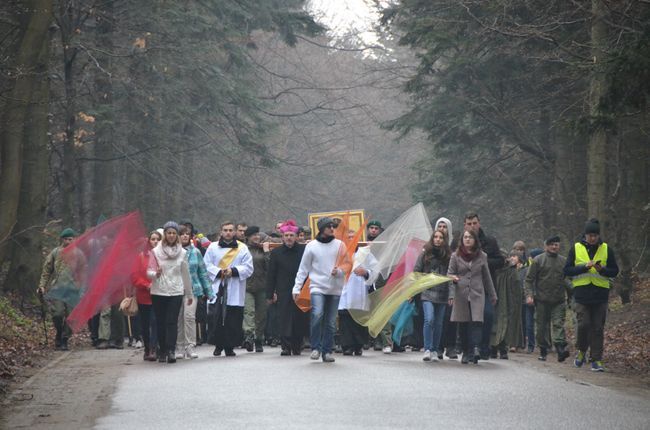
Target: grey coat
{"points": [[439, 293], [469, 291]]}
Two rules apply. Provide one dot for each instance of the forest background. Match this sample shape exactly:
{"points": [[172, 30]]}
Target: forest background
{"points": [[532, 113]]}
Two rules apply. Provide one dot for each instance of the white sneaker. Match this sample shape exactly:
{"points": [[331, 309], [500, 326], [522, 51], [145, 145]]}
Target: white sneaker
{"points": [[427, 356], [387, 350], [180, 355], [138, 344], [434, 356], [190, 353], [315, 354]]}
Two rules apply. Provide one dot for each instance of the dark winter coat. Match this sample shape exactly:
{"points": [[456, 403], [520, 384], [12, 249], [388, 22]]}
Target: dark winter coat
{"points": [[281, 274], [490, 246]]}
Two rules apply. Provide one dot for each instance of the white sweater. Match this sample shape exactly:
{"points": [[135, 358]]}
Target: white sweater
{"points": [[317, 262]]}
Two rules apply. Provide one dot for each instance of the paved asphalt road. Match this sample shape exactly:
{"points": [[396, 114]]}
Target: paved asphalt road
{"points": [[373, 391]]}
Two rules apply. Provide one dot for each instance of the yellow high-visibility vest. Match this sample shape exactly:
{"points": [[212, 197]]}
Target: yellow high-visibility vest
{"points": [[591, 276]]}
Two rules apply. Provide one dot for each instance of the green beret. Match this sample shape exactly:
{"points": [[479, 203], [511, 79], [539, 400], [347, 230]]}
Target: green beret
{"points": [[68, 232], [374, 222]]}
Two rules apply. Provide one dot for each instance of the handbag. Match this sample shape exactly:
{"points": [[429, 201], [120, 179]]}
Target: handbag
{"points": [[129, 306]]}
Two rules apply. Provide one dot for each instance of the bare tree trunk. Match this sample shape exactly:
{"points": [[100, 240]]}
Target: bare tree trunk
{"points": [[597, 147], [102, 201], [69, 176], [27, 256], [15, 118]]}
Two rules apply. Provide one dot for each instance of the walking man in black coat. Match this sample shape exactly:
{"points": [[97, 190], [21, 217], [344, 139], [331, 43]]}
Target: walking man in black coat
{"points": [[281, 275]]}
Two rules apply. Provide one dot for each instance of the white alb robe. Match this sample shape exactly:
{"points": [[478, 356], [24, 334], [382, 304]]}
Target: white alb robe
{"points": [[355, 290], [243, 261]]}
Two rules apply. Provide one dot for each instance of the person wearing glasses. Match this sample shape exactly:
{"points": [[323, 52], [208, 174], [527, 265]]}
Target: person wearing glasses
{"points": [[321, 262]]}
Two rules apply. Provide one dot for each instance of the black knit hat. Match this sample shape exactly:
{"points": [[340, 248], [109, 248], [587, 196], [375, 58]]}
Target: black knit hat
{"points": [[592, 226], [251, 230], [552, 239], [324, 222]]}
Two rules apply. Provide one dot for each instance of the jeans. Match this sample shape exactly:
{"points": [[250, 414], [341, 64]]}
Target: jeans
{"points": [[434, 313], [324, 309], [148, 327], [529, 326]]}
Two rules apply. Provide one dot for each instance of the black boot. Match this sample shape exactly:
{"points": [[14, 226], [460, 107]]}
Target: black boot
{"points": [[562, 353], [248, 344], [258, 346], [542, 353], [503, 352], [58, 326], [171, 357], [493, 352]]}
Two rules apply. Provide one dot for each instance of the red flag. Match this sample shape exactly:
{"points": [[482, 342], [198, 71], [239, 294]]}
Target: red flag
{"points": [[110, 250]]}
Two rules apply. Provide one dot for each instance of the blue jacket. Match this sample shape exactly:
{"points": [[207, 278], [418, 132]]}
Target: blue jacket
{"points": [[198, 273]]}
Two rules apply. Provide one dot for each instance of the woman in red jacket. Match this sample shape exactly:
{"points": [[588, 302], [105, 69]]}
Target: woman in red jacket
{"points": [[142, 284]]}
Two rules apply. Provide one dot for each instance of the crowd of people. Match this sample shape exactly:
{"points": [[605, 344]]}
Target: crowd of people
{"points": [[240, 290]]}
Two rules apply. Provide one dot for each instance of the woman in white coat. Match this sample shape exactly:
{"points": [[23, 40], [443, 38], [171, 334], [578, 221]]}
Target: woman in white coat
{"points": [[171, 282]]}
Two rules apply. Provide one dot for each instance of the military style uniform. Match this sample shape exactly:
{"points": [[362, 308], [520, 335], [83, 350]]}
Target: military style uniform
{"points": [[57, 281], [547, 285]]}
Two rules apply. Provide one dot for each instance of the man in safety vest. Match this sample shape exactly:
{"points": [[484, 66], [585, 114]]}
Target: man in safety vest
{"points": [[591, 264]]}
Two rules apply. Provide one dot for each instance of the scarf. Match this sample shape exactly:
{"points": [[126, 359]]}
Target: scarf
{"points": [[224, 244], [170, 252], [322, 239], [465, 254]]}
